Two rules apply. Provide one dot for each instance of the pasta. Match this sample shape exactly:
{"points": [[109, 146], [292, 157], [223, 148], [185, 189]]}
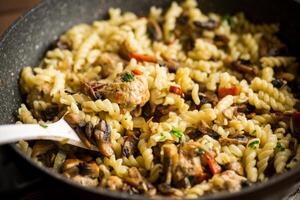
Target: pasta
{"points": [[179, 103]]}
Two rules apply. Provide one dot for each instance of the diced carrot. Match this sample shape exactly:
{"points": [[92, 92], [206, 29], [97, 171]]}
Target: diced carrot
{"points": [[137, 72], [176, 90], [214, 167], [142, 57], [222, 91]]}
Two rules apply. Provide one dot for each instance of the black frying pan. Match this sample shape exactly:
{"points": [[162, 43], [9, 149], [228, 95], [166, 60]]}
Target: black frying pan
{"points": [[28, 39]]}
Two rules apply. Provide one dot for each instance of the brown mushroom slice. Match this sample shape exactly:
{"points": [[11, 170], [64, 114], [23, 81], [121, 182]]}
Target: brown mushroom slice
{"points": [[89, 169], [154, 30], [170, 158], [245, 66], [221, 40], [166, 189], [209, 24], [70, 167], [129, 146], [102, 136], [240, 139], [41, 147]]}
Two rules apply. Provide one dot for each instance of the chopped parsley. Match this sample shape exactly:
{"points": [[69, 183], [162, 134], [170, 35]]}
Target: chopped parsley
{"points": [[279, 147], [177, 133], [200, 151], [44, 125], [253, 144], [227, 18], [127, 77], [162, 137]]}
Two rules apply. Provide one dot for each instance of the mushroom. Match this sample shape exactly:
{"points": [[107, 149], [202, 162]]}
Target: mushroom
{"points": [[41, 147], [154, 30], [129, 146], [89, 169], [221, 40], [245, 66], [240, 139], [102, 136], [209, 24]]}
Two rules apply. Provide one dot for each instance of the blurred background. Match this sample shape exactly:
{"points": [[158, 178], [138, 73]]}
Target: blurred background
{"points": [[10, 10]]}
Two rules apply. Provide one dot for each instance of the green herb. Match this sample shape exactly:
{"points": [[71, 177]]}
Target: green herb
{"points": [[279, 147], [253, 144], [162, 137], [44, 125], [127, 77], [200, 151], [177, 133], [227, 18]]}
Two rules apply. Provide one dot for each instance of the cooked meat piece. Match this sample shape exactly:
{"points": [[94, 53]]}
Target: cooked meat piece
{"points": [[108, 62], [85, 181], [114, 183], [237, 167], [102, 136], [130, 145], [209, 24], [154, 30], [170, 158], [267, 47], [231, 181], [127, 90]]}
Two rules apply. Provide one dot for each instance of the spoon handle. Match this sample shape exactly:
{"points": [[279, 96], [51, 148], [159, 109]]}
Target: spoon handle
{"points": [[59, 131]]}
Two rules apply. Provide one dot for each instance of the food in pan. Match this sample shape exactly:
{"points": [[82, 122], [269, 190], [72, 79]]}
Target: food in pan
{"points": [[179, 103]]}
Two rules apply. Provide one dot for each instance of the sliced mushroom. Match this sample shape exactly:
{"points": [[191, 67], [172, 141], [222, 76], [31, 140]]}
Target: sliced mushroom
{"points": [[50, 113], [206, 130], [154, 30], [240, 139], [102, 136], [245, 66], [208, 97], [166, 189], [70, 167], [89, 169], [245, 108], [286, 76], [130, 145], [278, 83], [221, 40], [41, 147], [209, 24]]}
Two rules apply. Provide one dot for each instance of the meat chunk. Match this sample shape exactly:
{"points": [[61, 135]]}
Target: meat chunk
{"points": [[229, 180], [127, 90]]}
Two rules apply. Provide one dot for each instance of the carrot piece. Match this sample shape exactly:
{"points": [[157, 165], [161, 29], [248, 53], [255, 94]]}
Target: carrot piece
{"points": [[214, 167], [142, 57], [137, 72], [176, 90], [222, 91]]}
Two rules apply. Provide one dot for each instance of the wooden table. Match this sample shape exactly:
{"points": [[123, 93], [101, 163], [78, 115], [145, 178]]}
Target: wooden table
{"points": [[10, 10]]}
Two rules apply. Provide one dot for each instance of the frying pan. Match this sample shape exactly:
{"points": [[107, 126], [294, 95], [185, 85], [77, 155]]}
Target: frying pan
{"points": [[25, 43]]}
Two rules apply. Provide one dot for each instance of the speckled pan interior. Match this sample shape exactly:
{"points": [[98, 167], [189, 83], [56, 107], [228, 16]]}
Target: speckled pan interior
{"points": [[25, 43]]}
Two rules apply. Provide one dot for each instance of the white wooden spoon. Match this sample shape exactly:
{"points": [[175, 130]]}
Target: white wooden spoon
{"points": [[59, 131]]}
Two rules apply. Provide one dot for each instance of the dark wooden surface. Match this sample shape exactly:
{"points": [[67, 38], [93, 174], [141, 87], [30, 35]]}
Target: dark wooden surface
{"points": [[10, 10]]}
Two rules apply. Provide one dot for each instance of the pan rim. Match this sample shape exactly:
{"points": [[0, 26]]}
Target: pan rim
{"points": [[274, 181]]}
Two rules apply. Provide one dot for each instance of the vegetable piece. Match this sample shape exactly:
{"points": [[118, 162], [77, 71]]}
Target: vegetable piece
{"points": [[177, 133], [278, 83], [43, 125], [228, 19], [209, 24], [154, 30], [176, 90], [214, 167], [222, 91], [279, 147], [142, 57], [162, 137], [137, 72], [254, 144], [127, 77]]}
